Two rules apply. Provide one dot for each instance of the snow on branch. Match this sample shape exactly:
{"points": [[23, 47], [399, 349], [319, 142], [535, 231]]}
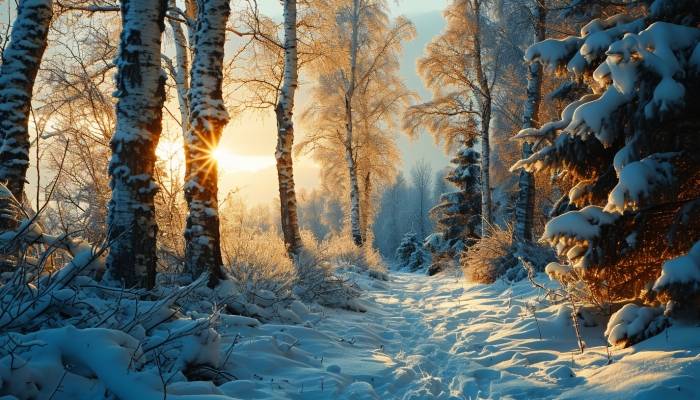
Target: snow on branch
{"points": [[641, 179], [681, 274], [575, 234]]}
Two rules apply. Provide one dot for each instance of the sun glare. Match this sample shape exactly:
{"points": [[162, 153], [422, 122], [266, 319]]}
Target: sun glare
{"points": [[171, 151], [230, 162]]}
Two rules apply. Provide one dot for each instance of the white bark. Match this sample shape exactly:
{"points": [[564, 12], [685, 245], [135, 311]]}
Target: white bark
{"points": [[486, 102], [285, 131], [182, 68], [525, 203], [208, 117], [350, 156], [140, 90], [20, 63]]}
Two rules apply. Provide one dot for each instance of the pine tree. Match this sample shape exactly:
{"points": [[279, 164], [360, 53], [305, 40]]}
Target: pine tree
{"points": [[458, 213], [140, 90], [20, 64], [410, 255], [631, 149]]}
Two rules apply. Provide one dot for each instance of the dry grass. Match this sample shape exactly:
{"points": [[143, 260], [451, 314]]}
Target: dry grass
{"points": [[483, 262], [258, 260]]}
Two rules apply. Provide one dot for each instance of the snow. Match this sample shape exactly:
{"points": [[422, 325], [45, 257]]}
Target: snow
{"points": [[420, 338], [638, 180], [633, 321], [681, 270]]}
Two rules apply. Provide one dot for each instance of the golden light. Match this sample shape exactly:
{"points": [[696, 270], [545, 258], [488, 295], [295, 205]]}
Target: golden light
{"points": [[230, 162], [172, 153]]}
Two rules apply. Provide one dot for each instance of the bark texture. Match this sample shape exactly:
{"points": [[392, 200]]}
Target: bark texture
{"points": [[208, 117], [525, 203], [181, 67], [20, 64], [350, 156], [486, 105], [140, 85], [285, 132]]}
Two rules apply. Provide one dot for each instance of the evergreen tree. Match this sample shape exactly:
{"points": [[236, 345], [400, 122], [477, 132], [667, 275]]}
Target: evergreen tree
{"points": [[410, 255], [458, 215], [630, 148]]}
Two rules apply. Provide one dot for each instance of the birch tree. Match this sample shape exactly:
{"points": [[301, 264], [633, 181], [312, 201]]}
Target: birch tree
{"points": [[140, 90], [20, 64], [482, 90], [269, 76], [525, 202], [421, 179], [357, 98], [350, 82], [207, 119], [285, 131]]}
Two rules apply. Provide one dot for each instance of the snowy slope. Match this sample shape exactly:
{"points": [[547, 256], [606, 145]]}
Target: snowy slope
{"points": [[440, 338]]}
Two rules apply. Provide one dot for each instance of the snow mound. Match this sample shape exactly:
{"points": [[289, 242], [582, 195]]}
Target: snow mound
{"points": [[633, 323]]}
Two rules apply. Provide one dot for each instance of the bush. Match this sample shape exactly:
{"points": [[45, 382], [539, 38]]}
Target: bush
{"points": [[341, 250], [486, 260]]}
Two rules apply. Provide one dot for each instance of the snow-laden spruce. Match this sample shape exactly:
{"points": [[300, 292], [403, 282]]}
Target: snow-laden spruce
{"points": [[458, 214], [630, 149]]}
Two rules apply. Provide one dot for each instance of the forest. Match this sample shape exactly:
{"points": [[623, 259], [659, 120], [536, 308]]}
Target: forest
{"points": [[349, 199]]}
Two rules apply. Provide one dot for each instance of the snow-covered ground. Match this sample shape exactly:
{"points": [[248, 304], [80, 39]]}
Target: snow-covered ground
{"points": [[420, 338], [441, 338]]}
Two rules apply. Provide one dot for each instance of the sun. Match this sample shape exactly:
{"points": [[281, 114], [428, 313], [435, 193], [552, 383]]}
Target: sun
{"points": [[231, 162]]}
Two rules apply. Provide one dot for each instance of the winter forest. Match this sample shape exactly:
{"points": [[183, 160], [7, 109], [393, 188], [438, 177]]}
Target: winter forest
{"points": [[349, 199]]}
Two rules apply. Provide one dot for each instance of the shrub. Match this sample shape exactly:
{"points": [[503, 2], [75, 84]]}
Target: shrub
{"points": [[485, 261]]}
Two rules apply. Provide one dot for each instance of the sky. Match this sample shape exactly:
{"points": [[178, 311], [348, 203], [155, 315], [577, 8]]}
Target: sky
{"points": [[252, 135], [246, 155]]}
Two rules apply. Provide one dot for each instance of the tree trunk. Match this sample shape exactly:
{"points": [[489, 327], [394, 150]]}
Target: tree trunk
{"points": [[485, 97], [208, 116], [355, 224], [525, 203], [350, 155], [285, 132], [140, 85], [182, 68], [365, 205], [20, 64]]}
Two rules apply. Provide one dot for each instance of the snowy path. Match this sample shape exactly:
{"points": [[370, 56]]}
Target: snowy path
{"points": [[440, 338]]}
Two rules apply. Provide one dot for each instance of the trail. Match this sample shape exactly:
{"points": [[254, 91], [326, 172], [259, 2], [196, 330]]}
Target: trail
{"points": [[441, 338]]}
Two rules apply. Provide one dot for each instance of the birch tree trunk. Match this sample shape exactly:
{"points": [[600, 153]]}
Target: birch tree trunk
{"points": [[285, 132], [182, 68], [525, 203], [366, 205], [350, 156], [140, 90], [20, 64], [485, 97], [208, 117]]}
